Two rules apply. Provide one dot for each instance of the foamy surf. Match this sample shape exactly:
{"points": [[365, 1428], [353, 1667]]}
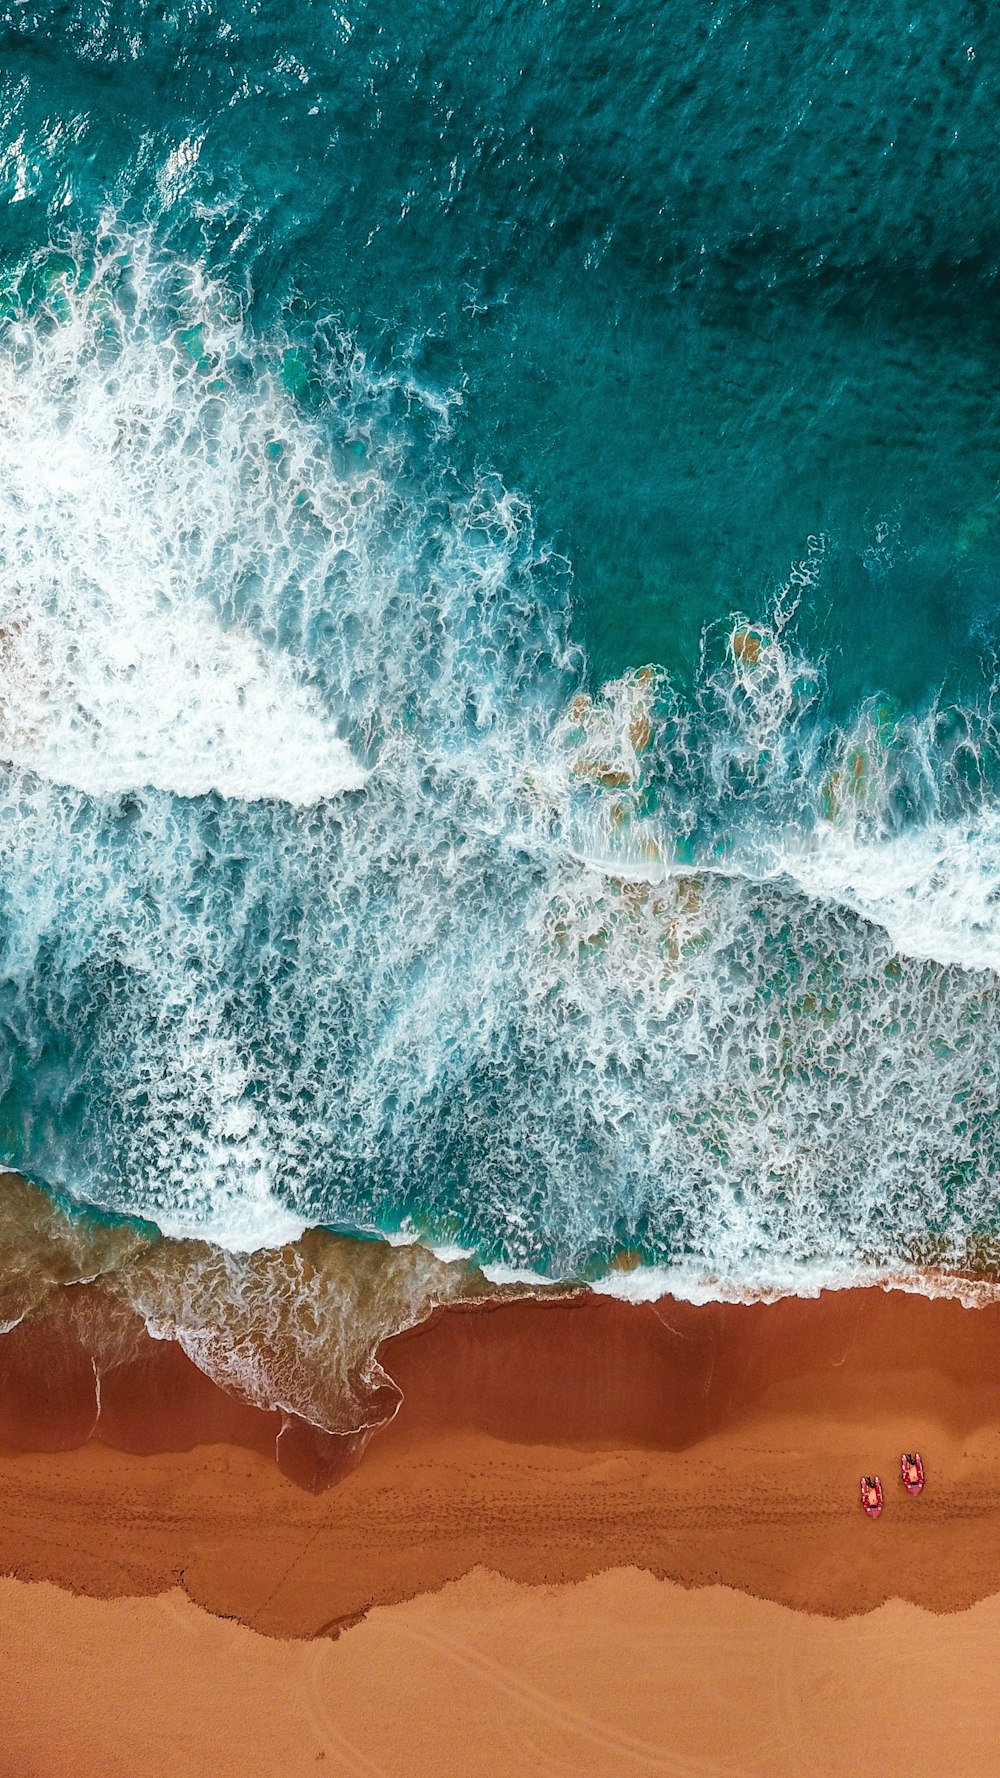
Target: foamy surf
{"points": [[141, 486], [656, 1284], [935, 891], [579, 969]]}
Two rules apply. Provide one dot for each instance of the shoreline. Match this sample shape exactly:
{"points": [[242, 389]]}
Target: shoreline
{"points": [[596, 1538], [544, 1440]]}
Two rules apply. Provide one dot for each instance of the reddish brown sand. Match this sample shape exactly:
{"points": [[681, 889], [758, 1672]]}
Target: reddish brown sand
{"points": [[544, 1442]]}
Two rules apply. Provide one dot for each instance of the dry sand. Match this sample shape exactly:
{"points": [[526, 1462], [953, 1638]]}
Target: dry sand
{"points": [[621, 1674], [544, 1443]]}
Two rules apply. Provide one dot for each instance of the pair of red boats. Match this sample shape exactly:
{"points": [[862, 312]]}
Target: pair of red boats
{"points": [[911, 1476]]}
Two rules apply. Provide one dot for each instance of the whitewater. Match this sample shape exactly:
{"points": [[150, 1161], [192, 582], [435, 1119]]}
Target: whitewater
{"points": [[335, 893]]}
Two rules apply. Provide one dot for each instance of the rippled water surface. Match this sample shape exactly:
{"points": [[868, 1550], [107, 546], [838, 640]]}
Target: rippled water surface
{"points": [[499, 542]]}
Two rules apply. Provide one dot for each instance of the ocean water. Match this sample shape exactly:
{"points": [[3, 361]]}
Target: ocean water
{"points": [[499, 630]]}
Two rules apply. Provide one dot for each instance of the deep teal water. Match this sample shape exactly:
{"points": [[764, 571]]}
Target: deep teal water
{"points": [[713, 292], [709, 279]]}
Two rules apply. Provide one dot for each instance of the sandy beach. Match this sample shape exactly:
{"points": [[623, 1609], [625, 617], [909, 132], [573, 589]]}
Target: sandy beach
{"points": [[499, 819], [565, 1483], [618, 1674]]}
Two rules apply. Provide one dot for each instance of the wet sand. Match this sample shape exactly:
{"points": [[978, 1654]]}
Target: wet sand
{"points": [[546, 1443]]}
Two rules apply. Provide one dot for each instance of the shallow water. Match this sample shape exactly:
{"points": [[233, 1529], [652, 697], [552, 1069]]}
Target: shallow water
{"points": [[499, 534]]}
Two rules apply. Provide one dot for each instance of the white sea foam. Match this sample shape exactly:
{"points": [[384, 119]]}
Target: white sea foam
{"points": [[770, 792], [408, 1235], [935, 890], [495, 1272], [685, 1283], [575, 971], [139, 486], [653, 1284]]}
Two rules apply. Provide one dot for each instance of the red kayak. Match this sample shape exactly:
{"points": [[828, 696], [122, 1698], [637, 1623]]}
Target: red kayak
{"points": [[912, 1472], [871, 1495]]}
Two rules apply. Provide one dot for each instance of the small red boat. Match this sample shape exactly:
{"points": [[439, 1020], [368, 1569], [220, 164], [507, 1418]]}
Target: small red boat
{"points": [[871, 1495], [912, 1472]]}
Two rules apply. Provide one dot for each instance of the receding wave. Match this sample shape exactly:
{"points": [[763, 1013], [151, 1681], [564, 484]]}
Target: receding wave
{"points": [[333, 892], [295, 1328]]}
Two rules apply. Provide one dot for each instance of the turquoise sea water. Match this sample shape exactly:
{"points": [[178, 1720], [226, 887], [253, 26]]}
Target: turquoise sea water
{"points": [[499, 613]]}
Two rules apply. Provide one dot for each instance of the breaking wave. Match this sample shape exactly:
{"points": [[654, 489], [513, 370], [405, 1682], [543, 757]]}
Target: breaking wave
{"points": [[130, 460], [332, 893]]}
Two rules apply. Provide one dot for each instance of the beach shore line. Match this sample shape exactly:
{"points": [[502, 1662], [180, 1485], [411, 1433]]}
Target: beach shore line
{"points": [[542, 1440], [579, 1475]]}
